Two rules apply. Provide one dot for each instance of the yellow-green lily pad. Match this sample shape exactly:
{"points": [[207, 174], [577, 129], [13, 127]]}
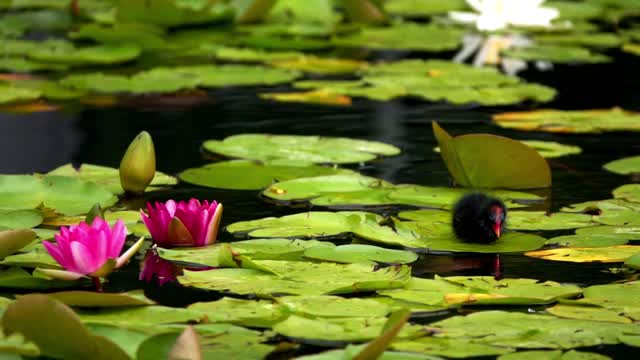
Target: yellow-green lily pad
{"points": [[570, 121], [609, 254], [625, 166]]}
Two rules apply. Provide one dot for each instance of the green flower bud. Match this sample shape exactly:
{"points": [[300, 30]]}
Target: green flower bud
{"points": [[138, 165]]}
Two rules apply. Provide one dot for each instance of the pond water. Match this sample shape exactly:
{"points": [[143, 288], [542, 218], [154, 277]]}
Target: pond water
{"points": [[39, 142]]}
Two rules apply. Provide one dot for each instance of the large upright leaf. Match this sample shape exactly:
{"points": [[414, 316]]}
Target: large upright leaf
{"points": [[490, 161]]}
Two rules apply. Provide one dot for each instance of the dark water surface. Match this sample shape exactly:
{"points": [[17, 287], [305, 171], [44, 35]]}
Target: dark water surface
{"points": [[40, 142]]}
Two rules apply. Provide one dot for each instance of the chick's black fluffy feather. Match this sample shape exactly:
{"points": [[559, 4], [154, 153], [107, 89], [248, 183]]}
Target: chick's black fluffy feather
{"points": [[472, 220]]}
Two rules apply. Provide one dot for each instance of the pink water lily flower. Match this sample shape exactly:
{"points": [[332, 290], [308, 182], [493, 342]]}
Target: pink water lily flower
{"points": [[183, 223], [89, 250]]}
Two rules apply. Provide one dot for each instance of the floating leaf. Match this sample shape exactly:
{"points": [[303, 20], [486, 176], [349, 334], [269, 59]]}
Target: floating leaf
{"points": [[262, 313], [96, 299], [454, 348], [403, 36], [231, 174], [14, 240], [66, 53], [630, 192], [17, 345], [177, 78], [586, 240], [303, 148], [139, 316], [587, 313], [338, 329], [552, 149], [599, 40], [470, 165], [353, 253], [553, 355], [11, 94], [301, 278], [144, 36], [353, 350], [625, 166], [219, 341], [556, 54], [108, 177], [172, 13], [64, 194], [540, 220], [321, 96], [608, 254], [420, 8], [633, 262], [318, 65], [42, 320], [257, 249], [562, 121], [521, 330], [328, 306]]}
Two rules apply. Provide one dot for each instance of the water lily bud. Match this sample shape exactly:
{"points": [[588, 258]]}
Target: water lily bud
{"points": [[138, 165]]}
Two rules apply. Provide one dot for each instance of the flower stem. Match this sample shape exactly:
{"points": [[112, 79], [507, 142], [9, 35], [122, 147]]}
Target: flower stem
{"points": [[97, 283]]}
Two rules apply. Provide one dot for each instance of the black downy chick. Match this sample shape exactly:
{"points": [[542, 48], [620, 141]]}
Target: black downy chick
{"points": [[479, 218]]}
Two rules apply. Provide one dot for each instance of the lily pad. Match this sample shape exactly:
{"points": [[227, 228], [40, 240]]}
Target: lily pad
{"points": [[96, 299], [314, 149], [322, 96], [626, 166], [328, 306], [598, 40], [629, 192], [109, 177], [144, 36], [64, 194], [338, 329], [318, 65], [453, 348], [37, 257], [552, 149], [66, 53], [469, 164], [610, 254], [17, 345], [521, 330], [354, 253], [633, 262], [257, 249], [351, 351], [586, 240], [18, 278], [218, 341], [556, 54], [262, 313], [12, 94], [20, 219], [403, 36], [591, 313], [540, 220], [41, 320], [173, 13], [231, 174], [553, 355], [421, 8], [565, 121], [14, 240], [178, 78], [299, 278], [138, 316]]}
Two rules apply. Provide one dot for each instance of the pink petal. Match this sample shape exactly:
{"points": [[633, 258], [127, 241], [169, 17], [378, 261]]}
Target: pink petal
{"points": [[100, 248], [118, 236], [85, 263], [170, 206], [57, 255]]}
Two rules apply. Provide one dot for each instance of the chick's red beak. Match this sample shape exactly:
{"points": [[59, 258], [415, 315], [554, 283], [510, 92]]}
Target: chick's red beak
{"points": [[497, 228]]}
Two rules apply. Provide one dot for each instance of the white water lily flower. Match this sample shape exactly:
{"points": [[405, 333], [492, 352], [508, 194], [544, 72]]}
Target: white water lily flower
{"points": [[499, 14]]}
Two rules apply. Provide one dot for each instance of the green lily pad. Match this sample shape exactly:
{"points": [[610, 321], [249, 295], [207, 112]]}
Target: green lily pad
{"points": [[586, 240], [20, 219], [358, 190], [624, 232], [564, 121], [463, 154], [338, 329], [240, 54], [481, 290], [178, 78], [439, 237], [262, 313], [13, 240], [299, 278], [109, 177], [230, 174], [96, 299], [591, 313], [144, 36], [633, 262], [626, 166], [168, 13], [553, 355], [556, 54], [21, 65], [63, 52], [218, 341], [629, 192], [318, 65], [403, 36], [37, 257], [521, 330], [17, 345], [138, 316], [351, 351], [540, 220], [64, 194], [609, 254], [598, 40], [314, 149], [257, 249], [50, 89], [327, 306], [420, 8], [42, 319], [129, 340], [12, 94], [354, 253], [453, 348]]}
